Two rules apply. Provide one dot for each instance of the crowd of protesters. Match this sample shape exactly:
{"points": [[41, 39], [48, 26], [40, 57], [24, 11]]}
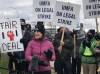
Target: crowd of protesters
{"points": [[70, 50]]}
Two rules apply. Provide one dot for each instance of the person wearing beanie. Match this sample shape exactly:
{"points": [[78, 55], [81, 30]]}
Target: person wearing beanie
{"points": [[88, 53], [40, 28], [47, 34], [40, 52]]}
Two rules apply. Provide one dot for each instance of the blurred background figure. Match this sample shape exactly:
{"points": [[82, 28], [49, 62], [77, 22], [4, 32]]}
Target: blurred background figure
{"points": [[97, 37], [76, 60]]}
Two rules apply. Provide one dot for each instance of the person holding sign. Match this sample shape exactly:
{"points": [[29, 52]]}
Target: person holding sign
{"points": [[88, 53], [15, 57], [20, 55], [28, 35], [40, 52], [63, 54]]}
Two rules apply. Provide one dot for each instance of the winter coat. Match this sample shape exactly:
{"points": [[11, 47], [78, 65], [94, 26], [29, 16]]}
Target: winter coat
{"points": [[37, 48], [67, 49], [20, 55], [48, 35], [26, 38], [88, 59]]}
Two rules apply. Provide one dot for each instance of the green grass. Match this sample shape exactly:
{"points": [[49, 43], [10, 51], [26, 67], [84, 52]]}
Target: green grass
{"points": [[4, 64]]}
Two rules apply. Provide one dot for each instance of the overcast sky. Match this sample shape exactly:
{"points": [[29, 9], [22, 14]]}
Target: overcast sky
{"points": [[23, 8]]}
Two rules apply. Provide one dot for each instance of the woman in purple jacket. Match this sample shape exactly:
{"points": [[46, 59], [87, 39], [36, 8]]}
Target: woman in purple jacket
{"points": [[40, 52]]}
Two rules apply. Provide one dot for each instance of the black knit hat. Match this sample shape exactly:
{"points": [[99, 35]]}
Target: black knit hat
{"points": [[92, 31], [40, 27]]}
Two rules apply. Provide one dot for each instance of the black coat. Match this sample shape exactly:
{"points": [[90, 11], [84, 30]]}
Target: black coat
{"points": [[66, 52]]}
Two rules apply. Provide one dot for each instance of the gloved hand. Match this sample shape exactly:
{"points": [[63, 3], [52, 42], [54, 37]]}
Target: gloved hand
{"points": [[88, 44], [34, 62], [97, 36], [21, 40], [84, 43], [48, 54], [42, 63]]}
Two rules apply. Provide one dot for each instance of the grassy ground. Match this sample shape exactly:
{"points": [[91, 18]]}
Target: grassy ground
{"points": [[4, 64]]}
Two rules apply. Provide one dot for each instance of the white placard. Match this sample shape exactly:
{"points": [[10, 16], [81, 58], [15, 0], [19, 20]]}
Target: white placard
{"points": [[91, 8], [10, 35], [66, 14], [43, 10]]}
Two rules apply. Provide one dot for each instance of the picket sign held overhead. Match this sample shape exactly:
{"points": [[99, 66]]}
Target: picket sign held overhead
{"points": [[10, 35], [43, 10], [66, 14], [91, 8]]}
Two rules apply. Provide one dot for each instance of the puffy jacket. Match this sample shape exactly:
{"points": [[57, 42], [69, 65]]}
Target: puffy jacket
{"points": [[37, 48], [66, 52], [89, 59]]}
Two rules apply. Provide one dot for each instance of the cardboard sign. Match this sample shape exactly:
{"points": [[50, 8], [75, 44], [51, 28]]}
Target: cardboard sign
{"points": [[10, 35], [43, 10], [91, 8], [66, 14]]}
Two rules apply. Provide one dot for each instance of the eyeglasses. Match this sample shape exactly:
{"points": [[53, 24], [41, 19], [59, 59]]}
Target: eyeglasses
{"points": [[36, 30]]}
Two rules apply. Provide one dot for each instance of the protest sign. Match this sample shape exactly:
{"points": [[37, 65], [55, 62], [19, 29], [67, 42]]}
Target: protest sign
{"points": [[10, 35], [43, 10], [91, 8], [66, 14]]}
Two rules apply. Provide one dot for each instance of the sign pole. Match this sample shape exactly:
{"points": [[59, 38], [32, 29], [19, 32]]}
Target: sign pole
{"points": [[50, 26], [62, 39], [97, 25], [74, 46]]}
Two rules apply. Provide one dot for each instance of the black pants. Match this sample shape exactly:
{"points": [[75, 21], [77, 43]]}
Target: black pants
{"points": [[23, 66], [10, 66], [63, 67], [45, 72], [19, 67], [76, 63]]}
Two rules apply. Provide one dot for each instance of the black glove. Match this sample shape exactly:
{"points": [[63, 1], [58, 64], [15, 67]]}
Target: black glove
{"points": [[22, 40], [88, 44], [48, 54], [34, 62], [84, 43], [42, 63], [97, 36]]}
